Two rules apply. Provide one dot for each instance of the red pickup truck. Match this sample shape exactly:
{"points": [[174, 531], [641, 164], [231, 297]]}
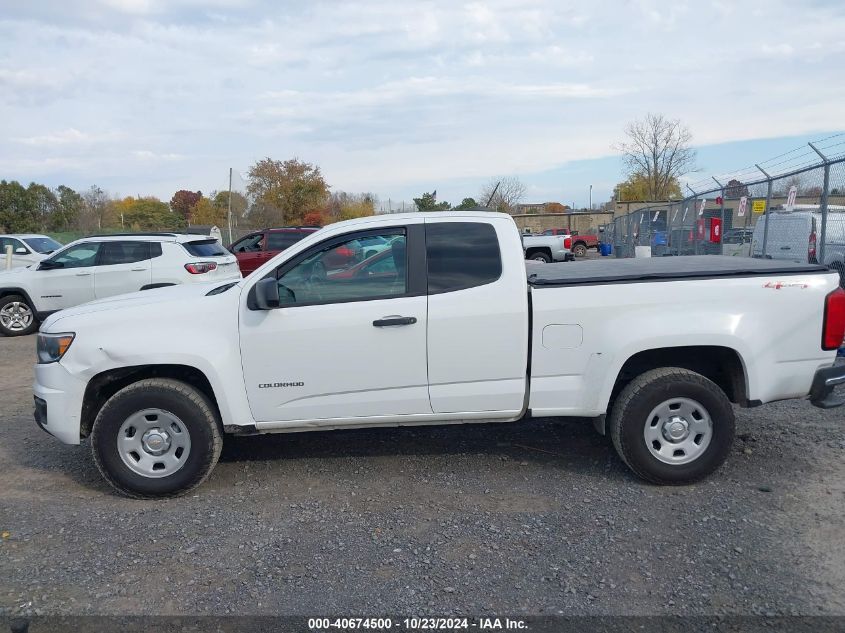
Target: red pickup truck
{"points": [[580, 243]]}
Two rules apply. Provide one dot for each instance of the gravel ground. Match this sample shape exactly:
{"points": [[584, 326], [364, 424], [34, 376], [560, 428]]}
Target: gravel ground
{"points": [[537, 517]]}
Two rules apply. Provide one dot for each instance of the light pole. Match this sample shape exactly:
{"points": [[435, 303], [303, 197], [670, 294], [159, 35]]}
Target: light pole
{"points": [[591, 197]]}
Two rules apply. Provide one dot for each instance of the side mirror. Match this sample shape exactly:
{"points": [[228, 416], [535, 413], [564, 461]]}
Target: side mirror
{"points": [[267, 294], [20, 250], [49, 265]]}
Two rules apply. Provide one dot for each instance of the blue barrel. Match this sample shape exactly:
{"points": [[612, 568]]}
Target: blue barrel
{"points": [[605, 249]]}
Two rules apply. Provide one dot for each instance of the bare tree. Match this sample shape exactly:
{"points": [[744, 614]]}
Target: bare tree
{"points": [[95, 209], [502, 194], [658, 151]]}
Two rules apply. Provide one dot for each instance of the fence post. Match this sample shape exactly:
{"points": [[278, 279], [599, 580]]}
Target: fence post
{"points": [[825, 189], [721, 217], [765, 212], [8, 264], [695, 223]]}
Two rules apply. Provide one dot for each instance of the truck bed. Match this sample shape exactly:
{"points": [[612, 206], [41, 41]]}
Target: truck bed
{"points": [[610, 271]]}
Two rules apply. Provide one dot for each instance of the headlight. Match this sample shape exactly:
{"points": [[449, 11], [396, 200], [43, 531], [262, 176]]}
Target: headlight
{"points": [[51, 347]]}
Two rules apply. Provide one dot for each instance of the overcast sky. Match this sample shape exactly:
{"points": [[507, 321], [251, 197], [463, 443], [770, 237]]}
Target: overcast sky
{"points": [[151, 96]]}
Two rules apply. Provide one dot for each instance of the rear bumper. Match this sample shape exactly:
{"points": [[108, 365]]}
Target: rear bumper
{"points": [[828, 389]]}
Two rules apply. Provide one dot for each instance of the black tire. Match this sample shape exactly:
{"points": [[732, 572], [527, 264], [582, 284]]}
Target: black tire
{"points": [[539, 256], [630, 413], [193, 409], [15, 302], [579, 250]]}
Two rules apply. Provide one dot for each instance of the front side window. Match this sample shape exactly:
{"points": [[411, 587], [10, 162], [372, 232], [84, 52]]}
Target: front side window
{"points": [[124, 252], [337, 274], [8, 241], [78, 256], [249, 244], [461, 255]]}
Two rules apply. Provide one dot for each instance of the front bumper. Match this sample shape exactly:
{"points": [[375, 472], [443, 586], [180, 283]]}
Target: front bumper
{"points": [[828, 389], [58, 402]]}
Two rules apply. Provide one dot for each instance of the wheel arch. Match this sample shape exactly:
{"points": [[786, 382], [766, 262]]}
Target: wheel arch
{"points": [[107, 383], [531, 250], [721, 364]]}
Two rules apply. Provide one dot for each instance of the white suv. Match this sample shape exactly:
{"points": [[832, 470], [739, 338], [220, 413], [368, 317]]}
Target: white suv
{"points": [[27, 249], [103, 266]]}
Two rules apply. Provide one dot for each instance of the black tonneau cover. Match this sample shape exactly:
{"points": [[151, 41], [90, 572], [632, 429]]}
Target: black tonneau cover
{"points": [[637, 270]]}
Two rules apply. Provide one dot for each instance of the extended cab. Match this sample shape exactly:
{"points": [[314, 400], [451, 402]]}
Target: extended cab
{"points": [[451, 330]]}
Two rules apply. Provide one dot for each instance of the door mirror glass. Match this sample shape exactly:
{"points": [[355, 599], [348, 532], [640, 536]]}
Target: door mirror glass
{"points": [[267, 294], [20, 250]]}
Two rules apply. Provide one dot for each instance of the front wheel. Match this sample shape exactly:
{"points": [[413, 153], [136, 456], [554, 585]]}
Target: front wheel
{"points": [[156, 438], [17, 317], [579, 250], [672, 426]]}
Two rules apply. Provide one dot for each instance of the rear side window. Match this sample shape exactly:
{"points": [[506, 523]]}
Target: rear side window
{"points": [[461, 255], [281, 241], [123, 252], [205, 248]]}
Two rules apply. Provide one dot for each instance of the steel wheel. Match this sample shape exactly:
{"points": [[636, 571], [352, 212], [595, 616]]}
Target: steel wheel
{"points": [[678, 431], [16, 316], [153, 443]]}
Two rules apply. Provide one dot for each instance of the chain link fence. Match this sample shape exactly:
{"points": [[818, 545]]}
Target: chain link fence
{"points": [[798, 215]]}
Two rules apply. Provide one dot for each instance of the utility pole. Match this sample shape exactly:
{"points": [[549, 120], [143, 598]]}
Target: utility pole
{"points": [[591, 198], [229, 213]]}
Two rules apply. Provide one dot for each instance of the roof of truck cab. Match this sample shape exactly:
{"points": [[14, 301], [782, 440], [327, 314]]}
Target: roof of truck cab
{"points": [[638, 270]]}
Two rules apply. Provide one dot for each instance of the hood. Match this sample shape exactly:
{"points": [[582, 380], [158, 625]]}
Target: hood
{"points": [[141, 305], [6, 276]]}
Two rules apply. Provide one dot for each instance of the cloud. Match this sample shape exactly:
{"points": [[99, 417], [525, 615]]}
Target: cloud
{"points": [[385, 95]]}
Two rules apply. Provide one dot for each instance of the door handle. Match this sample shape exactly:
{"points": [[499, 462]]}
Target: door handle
{"points": [[138, 270], [83, 274], [394, 320]]}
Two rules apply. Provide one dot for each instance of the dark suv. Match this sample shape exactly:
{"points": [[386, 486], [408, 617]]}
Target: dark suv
{"points": [[256, 248]]}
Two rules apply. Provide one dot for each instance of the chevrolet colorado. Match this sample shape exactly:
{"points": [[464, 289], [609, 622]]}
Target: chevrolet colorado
{"points": [[452, 329]]}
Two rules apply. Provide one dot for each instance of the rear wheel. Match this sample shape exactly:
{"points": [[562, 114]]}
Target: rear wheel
{"points": [[579, 250], [156, 438], [540, 256], [672, 426], [17, 317]]}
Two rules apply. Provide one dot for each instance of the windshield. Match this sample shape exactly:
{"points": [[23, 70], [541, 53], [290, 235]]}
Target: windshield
{"points": [[42, 244]]}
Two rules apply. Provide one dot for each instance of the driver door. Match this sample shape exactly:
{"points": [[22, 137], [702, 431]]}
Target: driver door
{"points": [[343, 344], [71, 282]]}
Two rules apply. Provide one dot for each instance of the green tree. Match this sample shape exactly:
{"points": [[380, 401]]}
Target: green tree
{"points": [[428, 202], [43, 204], [68, 211], [17, 214], [467, 203], [637, 189], [149, 214], [284, 191]]}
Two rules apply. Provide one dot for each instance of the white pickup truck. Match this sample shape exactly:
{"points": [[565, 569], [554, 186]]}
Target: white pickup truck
{"points": [[448, 330]]}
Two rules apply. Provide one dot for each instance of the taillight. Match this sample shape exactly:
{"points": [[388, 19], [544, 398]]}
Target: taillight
{"points": [[567, 242], [198, 268], [833, 330], [811, 248]]}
